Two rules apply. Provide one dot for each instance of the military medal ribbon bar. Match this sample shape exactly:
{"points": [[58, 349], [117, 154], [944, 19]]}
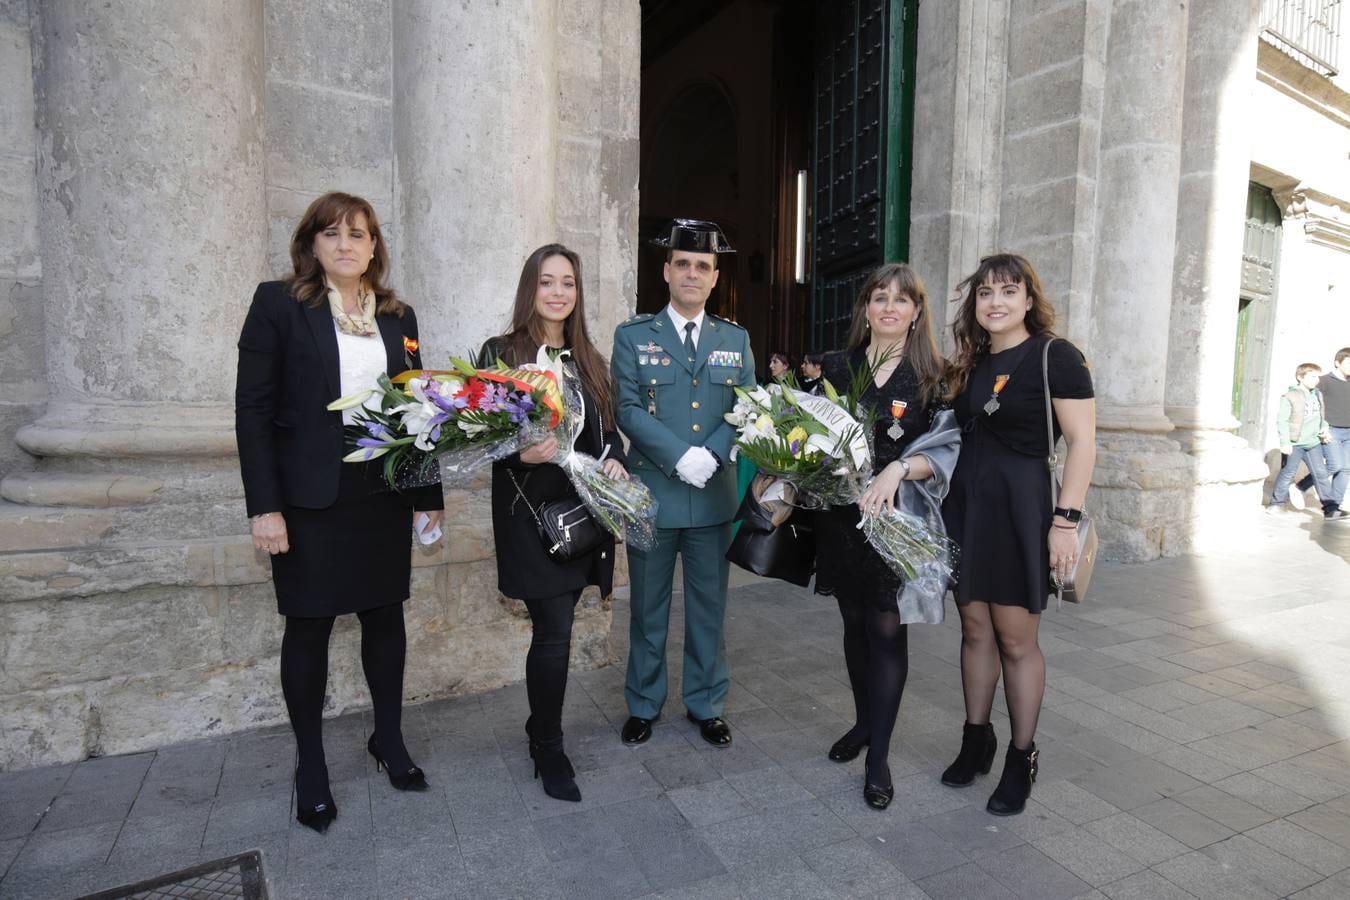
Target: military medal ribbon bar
{"points": [[898, 407], [1000, 382]]}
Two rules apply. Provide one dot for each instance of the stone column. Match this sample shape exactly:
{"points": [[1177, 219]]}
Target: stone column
{"points": [[152, 234], [475, 123], [1207, 274], [153, 220], [962, 74], [1136, 218]]}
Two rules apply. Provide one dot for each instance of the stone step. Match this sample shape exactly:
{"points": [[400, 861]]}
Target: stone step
{"points": [[25, 528], [94, 491]]}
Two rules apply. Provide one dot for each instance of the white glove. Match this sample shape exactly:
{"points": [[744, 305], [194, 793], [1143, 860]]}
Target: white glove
{"points": [[696, 466]]}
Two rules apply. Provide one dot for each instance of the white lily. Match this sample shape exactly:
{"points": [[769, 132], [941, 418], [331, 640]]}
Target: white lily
{"points": [[351, 401], [470, 428]]}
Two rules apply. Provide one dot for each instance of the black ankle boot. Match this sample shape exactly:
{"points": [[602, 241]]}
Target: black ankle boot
{"points": [[1019, 772], [978, 746], [553, 766]]}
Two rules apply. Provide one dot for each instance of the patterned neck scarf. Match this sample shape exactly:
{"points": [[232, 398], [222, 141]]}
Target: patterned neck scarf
{"points": [[363, 323]]}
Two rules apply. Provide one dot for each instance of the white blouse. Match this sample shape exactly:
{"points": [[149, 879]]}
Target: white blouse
{"points": [[361, 361]]}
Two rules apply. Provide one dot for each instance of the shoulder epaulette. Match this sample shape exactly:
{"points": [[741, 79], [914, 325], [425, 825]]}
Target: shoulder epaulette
{"points": [[639, 317], [727, 321]]}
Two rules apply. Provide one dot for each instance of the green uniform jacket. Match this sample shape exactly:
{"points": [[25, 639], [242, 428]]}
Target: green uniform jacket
{"points": [[667, 404]]}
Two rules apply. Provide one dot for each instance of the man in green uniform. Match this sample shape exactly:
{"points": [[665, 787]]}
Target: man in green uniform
{"points": [[676, 373]]}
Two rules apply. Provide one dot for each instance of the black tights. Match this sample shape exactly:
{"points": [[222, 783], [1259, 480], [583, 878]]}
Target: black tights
{"points": [[546, 666], [876, 653], [304, 680]]}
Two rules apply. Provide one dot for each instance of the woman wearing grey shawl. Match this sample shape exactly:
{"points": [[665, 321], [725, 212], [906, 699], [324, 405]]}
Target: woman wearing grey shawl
{"points": [[914, 449]]}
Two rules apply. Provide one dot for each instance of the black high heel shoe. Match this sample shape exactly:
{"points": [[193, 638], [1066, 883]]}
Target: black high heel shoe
{"points": [[412, 780], [317, 815], [558, 775]]}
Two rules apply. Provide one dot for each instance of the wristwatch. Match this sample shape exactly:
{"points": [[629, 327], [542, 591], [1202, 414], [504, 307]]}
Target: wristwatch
{"points": [[1071, 515], [904, 467]]}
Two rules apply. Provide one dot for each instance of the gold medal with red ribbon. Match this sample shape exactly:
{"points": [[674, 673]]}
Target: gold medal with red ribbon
{"points": [[1000, 382], [896, 432]]}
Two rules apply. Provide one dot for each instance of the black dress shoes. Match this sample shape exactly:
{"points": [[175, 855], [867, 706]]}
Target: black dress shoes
{"points": [[847, 748], [637, 730], [714, 730]]}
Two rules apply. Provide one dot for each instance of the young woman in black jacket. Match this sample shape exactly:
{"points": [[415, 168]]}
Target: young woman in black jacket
{"points": [[550, 312]]}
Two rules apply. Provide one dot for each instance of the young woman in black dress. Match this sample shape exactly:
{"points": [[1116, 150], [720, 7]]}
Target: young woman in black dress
{"points": [[550, 311], [999, 511], [891, 331], [340, 540]]}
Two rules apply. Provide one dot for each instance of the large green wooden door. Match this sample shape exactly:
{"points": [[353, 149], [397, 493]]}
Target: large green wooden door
{"points": [[864, 99], [1256, 312]]}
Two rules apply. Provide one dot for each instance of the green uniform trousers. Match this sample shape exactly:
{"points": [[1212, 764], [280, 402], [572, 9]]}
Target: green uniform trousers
{"points": [[650, 574]]}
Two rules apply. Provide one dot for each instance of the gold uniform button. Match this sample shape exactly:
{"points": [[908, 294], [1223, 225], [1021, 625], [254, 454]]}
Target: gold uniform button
{"points": [[729, 381], [696, 428], [653, 381], [695, 382], [694, 404]]}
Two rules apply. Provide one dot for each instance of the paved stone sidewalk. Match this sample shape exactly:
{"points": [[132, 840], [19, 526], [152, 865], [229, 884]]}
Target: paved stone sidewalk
{"points": [[1194, 743]]}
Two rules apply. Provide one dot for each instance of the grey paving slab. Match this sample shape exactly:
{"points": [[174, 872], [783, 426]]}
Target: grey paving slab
{"points": [[1203, 877], [682, 769], [1302, 846], [787, 877], [1224, 808], [679, 858], [1137, 839], [1088, 857], [20, 815], [963, 882], [767, 788], [1337, 887], [974, 831], [917, 850], [1266, 795], [74, 810], [1274, 871], [1191, 828], [1326, 821], [1145, 885], [740, 842], [44, 783], [60, 863], [8, 851], [854, 869], [1072, 802], [1031, 874]]}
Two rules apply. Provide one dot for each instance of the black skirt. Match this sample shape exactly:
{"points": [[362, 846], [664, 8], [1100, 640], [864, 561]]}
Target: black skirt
{"points": [[353, 556], [847, 567]]}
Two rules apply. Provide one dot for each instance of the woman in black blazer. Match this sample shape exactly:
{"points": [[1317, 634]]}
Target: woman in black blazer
{"points": [[339, 538], [550, 311]]}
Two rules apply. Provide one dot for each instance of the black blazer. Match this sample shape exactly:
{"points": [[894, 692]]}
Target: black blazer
{"points": [[524, 570], [290, 446]]}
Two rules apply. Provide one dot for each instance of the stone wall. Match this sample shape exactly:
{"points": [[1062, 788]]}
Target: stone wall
{"points": [[1103, 139], [176, 146]]}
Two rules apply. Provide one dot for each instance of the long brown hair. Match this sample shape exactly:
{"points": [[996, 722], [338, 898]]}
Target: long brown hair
{"points": [[527, 329], [307, 280], [921, 348], [972, 341]]}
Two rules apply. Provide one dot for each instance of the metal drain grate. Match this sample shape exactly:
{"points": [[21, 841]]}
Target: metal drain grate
{"points": [[233, 878]]}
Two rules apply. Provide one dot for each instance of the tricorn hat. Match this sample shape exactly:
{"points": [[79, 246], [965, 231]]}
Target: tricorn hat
{"points": [[694, 236]]}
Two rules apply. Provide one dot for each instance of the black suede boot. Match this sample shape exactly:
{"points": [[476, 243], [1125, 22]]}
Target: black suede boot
{"points": [[978, 746], [1019, 772]]}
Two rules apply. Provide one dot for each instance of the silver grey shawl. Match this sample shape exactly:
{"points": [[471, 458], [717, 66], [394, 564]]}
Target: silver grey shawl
{"points": [[923, 598]]}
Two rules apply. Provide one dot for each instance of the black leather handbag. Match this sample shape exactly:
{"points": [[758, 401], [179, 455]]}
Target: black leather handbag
{"points": [[785, 551], [566, 526]]}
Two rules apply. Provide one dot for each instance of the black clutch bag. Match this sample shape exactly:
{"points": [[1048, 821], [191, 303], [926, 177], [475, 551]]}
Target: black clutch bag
{"points": [[785, 550]]}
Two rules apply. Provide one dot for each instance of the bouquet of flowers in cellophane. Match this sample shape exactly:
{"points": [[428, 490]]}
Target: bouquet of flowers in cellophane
{"points": [[626, 509], [822, 447], [442, 425]]}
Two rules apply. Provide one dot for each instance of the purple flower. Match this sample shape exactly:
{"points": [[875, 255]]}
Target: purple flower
{"points": [[369, 442], [794, 447], [376, 429]]}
